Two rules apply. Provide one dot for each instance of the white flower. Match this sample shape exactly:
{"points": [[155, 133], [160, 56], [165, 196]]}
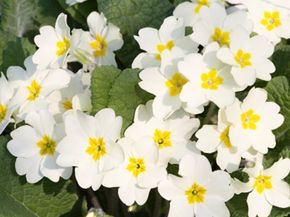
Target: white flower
{"points": [[266, 187], [35, 145], [208, 79], [249, 57], [6, 108], [34, 85], [89, 145], [269, 20], [199, 191], [189, 11], [171, 136], [166, 83], [215, 25], [170, 35], [72, 2], [102, 40], [138, 174], [253, 120], [53, 44], [213, 138], [75, 97]]}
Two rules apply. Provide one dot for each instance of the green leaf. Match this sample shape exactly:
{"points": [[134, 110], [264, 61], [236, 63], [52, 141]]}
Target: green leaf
{"points": [[278, 212], [10, 46], [46, 12], [238, 206], [130, 17], [18, 198], [17, 16], [281, 59], [102, 81], [119, 91], [279, 92]]}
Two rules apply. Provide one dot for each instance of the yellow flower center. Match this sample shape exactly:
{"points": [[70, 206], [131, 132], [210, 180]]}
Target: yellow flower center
{"points": [[62, 46], [200, 4], [271, 20], [46, 145], [195, 194], [210, 80], [224, 137], [161, 47], [175, 84], [162, 139], [136, 166], [67, 105], [249, 119], [34, 90], [97, 148], [262, 183], [3, 112], [100, 46], [243, 59], [222, 38]]}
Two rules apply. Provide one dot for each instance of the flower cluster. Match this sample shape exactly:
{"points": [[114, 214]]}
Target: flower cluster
{"points": [[202, 55]]}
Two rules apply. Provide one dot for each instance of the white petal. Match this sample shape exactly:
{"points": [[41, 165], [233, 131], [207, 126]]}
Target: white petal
{"points": [[181, 208], [279, 195], [206, 143], [279, 170], [257, 205]]}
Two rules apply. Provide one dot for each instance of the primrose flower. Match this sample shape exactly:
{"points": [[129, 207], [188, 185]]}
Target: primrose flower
{"points": [[213, 138], [53, 44], [89, 145], [76, 96], [170, 136], [190, 11], [269, 20], [138, 174], [208, 79], [35, 145], [166, 84], [102, 39], [6, 108], [33, 86], [154, 42], [199, 191], [253, 120], [249, 57], [215, 25], [266, 187]]}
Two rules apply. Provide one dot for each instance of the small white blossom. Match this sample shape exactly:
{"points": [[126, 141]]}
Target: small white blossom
{"points": [[89, 145], [35, 145], [253, 120], [266, 187], [53, 44], [199, 191]]}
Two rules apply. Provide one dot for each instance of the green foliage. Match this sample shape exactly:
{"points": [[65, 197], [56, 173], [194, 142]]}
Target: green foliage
{"points": [[281, 59], [130, 17], [18, 198], [117, 90], [11, 45], [279, 92], [17, 16]]}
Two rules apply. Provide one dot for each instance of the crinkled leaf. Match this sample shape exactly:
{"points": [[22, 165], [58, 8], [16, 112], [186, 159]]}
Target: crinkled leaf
{"points": [[103, 79], [130, 17], [13, 50], [18, 198], [278, 92], [238, 206], [17, 16], [119, 91], [281, 59]]}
